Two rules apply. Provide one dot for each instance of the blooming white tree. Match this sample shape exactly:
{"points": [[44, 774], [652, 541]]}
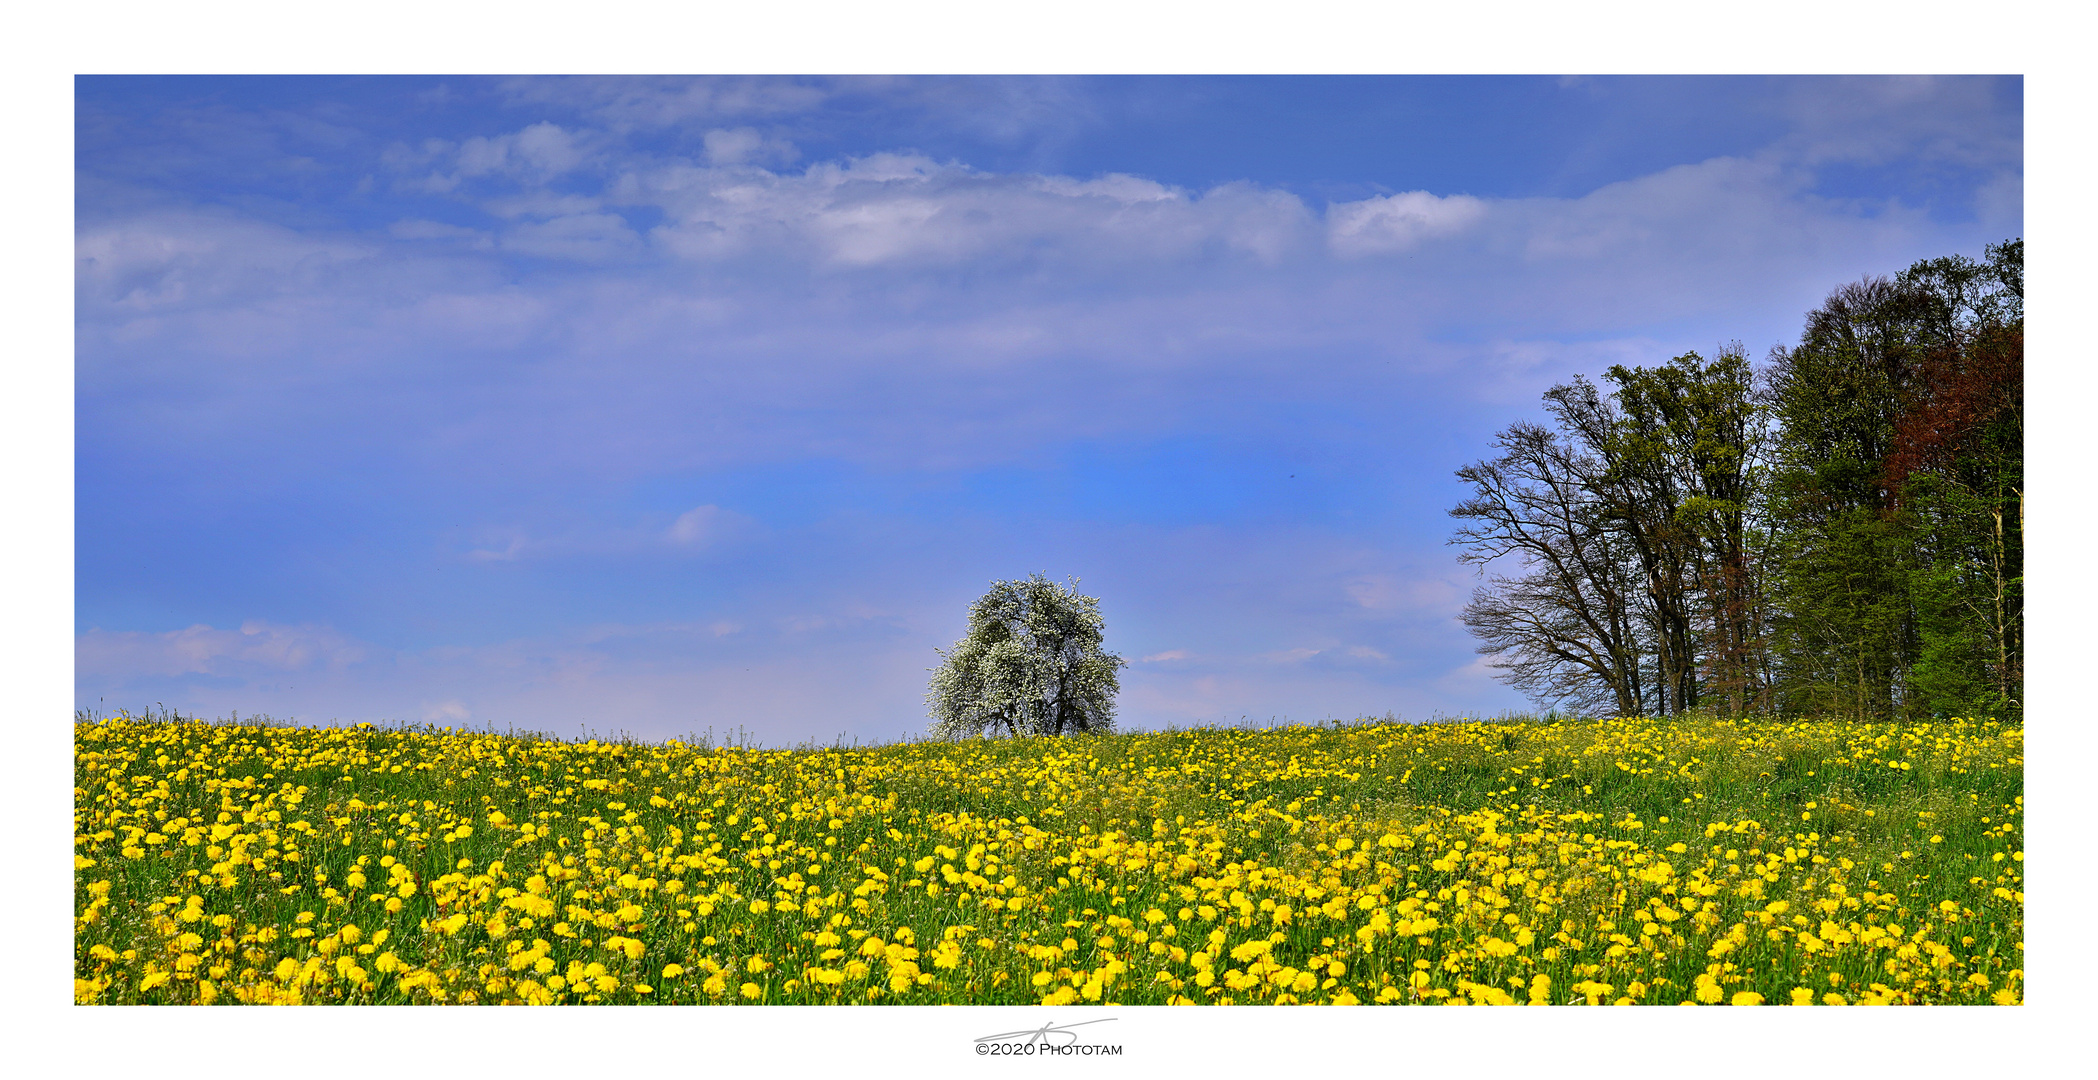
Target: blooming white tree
{"points": [[1030, 665]]}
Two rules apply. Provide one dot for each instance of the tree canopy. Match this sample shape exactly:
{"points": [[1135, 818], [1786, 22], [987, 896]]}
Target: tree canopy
{"points": [[1031, 664]]}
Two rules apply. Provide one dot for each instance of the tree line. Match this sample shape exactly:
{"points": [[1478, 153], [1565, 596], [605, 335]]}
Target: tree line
{"points": [[1838, 531]]}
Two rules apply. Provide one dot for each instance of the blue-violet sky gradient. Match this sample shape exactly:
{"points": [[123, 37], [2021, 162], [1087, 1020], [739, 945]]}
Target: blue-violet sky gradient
{"points": [[655, 405]]}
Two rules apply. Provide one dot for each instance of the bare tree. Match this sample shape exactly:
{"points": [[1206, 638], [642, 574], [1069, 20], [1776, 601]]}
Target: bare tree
{"points": [[1566, 625], [1638, 495]]}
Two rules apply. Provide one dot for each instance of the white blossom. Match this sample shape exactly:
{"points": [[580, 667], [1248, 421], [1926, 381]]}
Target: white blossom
{"points": [[1030, 665]]}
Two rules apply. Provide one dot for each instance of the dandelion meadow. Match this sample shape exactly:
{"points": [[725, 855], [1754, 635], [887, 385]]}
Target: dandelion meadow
{"points": [[1626, 861]]}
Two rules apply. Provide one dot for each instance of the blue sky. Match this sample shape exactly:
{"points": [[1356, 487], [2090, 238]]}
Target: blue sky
{"points": [[664, 404]]}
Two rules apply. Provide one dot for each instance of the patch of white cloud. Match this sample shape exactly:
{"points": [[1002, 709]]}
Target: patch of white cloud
{"points": [[729, 147], [904, 313], [850, 618], [1395, 223], [1923, 120], [574, 237], [889, 209], [2000, 203], [704, 526], [420, 229], [163, 261], [653, 680], [1121, 188], [406, 157], [627, 102], [507, 553], [206, 650], [535, 155], [1208, 697], [708, 529], [449, 711], [1434, 593], [1476, 675], [695, 526], [904, 211], [542, 205], [1685, 205], [464, 321], [1514, 374]]}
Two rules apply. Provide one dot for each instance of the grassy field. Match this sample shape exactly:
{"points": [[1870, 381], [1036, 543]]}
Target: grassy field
{"points": [[1599, 862]]}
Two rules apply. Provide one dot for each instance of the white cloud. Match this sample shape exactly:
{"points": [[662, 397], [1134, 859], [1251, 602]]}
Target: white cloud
{"points": [[1169, 654], [747, 146], [659, 680], [533, 155], [850, 618], [453, 711], [539, 152], [630, 102], [204, 650], [579, 237], [1187, 700], [903, 209], [1391, 223], [2000, 203], [703, 526], [1682, 210], [401, 157], [542, 205], [903, 312], [175, 260], [1377, 591], [507, 553], [1921, 120], [695, 526], [1422, 594], [1122, 188], [813, 314], [900, 209], [418, 229]]}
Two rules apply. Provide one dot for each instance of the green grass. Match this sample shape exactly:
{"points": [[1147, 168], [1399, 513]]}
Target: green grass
{"points": [[1821, 815]]}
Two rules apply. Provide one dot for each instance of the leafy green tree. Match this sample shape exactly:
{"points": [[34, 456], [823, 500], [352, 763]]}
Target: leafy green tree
{"points": [[1847, 635], [1957, 467], [1898, 498], [1694, 440], [1031, 664]]}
